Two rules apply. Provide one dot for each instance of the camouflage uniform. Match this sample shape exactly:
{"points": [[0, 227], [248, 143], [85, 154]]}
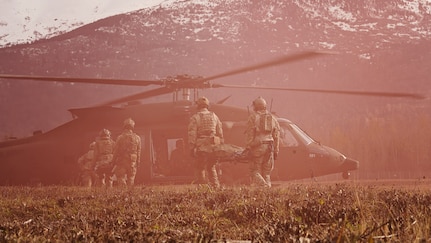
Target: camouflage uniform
{"points": [[205, 133], [103, 153], [127, 152], [86, 165], [262, 143]]}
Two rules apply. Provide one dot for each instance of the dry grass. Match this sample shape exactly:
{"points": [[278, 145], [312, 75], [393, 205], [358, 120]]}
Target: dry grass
{"points": [[292, 212]]}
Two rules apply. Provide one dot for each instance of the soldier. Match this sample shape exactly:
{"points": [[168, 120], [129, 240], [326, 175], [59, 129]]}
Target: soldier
{"points": [[204, 134], [86, 165], [103, 152], [127, 153], [180, 160], [262, 143]]}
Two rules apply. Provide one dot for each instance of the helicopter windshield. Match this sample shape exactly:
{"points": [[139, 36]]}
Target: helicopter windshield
{"points": [[302, 135], [291, 135], [286, 137]]}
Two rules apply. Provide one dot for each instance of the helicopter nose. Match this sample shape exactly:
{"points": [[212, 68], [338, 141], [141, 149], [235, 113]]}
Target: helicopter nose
{"points": [[350, 164]]}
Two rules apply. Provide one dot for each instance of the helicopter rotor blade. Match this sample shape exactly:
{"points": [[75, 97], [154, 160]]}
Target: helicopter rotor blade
{"points": [[130, 82], [275, 62], [179, 82], [183, 83], [348, 92], [139, 96]]}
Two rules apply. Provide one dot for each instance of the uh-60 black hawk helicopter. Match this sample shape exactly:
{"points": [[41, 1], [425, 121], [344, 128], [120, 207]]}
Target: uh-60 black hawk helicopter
{"points": [[51, 157]]}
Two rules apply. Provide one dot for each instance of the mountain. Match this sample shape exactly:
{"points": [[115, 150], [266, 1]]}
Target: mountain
{"points": [[26, 21], [380, 45]]}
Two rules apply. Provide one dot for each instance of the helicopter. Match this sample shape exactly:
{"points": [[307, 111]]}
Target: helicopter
{"points": [[51, 158]]}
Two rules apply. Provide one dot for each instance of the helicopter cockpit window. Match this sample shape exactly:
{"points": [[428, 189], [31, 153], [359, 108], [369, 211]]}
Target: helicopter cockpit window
{"points": [[302, 135], [286, 137]]}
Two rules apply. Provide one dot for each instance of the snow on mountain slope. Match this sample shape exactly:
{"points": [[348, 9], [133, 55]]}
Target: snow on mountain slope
{"points": [[24, 21]]}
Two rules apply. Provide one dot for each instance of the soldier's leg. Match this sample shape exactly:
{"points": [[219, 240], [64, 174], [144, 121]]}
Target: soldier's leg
{"points": [[99, 179], [112, 179], [255, 172], [104, 175], [267, 167], [131, 175], [108, 178], [86, 179], [103, 179], [121, 175], [200, 172], [212, 174]]}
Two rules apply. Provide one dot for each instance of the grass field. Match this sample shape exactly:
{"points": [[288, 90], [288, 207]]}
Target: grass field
{"points": [[371, 211]]}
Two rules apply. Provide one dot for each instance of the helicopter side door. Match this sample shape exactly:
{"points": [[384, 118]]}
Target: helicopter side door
{"points": [[293, 159], [164, 156]]}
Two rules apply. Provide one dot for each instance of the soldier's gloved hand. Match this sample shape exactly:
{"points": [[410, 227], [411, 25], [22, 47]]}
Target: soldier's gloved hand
{"points": [[245, 152], [275, 156]]}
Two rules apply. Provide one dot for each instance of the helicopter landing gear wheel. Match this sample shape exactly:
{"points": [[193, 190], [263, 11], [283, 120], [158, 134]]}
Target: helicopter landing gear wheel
{"points": [[345, 175]]}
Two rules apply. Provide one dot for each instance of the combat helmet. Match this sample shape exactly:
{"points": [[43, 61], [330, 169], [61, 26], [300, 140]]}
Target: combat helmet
{"points": [[259, 104], [203, 102], [105, 133], [129, 123]]}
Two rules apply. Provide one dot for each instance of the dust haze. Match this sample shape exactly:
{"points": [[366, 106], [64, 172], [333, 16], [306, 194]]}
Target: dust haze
{"points": [[196, 39]]}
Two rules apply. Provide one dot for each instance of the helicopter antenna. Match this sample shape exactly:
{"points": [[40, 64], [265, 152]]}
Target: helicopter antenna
{"points": [[270, 107], [223, 100]]}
